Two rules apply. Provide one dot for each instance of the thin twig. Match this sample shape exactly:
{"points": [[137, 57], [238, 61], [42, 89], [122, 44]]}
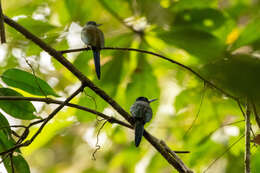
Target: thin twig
{"points": [[214, 161], [257, 118], [198, 112], [12, 162], [162, 57], [172, 151], [35, 78], [80, 89], [2, 27], [247, 138], [45, 121], [244, 114], [97, 145], [52, 101]]}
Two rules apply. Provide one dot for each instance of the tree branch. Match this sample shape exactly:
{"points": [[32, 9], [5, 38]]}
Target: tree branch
{"points": [[2, 27], [49, 100], [19, 144], [162, 57], [247, 140], [86, 82], [81, 88]]}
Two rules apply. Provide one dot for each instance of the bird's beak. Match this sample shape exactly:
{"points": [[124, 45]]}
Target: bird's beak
{"points": [[150, 101], [99, 24]]}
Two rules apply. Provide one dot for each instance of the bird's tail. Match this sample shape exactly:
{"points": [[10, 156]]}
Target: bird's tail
{"points": [[96, 54], [139, 130]]}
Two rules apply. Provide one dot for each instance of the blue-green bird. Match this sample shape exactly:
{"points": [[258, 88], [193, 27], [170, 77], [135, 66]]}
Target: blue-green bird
{"points": [[142, 113], [94, 37]]}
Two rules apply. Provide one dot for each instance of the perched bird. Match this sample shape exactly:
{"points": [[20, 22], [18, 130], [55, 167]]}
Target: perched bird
{"points": [[93, 37], [142, 113]]}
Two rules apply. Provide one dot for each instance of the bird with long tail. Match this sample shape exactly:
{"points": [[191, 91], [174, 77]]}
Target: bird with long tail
{"points": [[92, 36], [142, 113]]}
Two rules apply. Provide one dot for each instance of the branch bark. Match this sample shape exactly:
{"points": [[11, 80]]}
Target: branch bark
{"points": [[81, 88], [2, 27], [247, 138], [86, 82], [162, 57], [49, 100]]}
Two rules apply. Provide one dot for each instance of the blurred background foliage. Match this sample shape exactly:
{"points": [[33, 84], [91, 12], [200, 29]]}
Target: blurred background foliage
{"points": [[220, 39]]}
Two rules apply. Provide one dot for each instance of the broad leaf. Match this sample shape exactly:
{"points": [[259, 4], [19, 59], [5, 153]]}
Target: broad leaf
{"points": [[205, 19], [20, 164], [18, 109], [201, 44], [237, 74], [28, 82], [249, 34], [4, 125]]}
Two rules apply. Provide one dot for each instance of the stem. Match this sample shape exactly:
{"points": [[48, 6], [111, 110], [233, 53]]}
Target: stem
{"points": [[2, 28], [247, 138]]}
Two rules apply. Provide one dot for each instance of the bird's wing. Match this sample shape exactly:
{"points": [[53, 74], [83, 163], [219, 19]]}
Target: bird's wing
{"points": [[148, 114], [88, 35], [101, 39], [137, 110]]}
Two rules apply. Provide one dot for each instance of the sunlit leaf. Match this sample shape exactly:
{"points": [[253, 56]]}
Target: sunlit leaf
{"points": [[248, 35], [28, 82], [36, 26], [20, 109]]}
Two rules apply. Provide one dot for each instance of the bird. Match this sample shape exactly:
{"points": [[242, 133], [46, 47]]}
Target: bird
{"points": [[142, 113], [92, 36]]}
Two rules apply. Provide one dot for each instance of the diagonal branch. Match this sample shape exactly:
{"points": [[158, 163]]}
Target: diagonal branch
{"points": [[2, 27], [173, 160]]}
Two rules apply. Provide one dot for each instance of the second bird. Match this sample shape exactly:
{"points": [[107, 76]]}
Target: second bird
{"points": [[94, 37], [142, 113]]}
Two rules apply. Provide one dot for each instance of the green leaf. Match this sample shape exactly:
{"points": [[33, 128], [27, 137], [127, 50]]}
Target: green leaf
{"points": [[36, 26], [6, 140], [203, 19], [20, 164], [18, 109], [237, 74], [28, 82], [4, 125], [249, 34], [148, 8], [191, 4], [119, 7], [203, 45]]}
